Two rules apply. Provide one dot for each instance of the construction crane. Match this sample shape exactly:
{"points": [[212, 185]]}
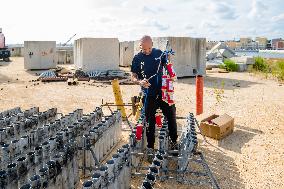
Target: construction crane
{"points": [[64, 44]]}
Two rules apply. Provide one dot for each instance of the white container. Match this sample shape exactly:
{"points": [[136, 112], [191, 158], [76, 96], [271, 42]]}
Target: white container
{"points": [[96, 54], [39, 54]]}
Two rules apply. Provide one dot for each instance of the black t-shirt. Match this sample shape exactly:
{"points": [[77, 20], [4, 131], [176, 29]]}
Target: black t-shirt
{"points": [[146, 66]]}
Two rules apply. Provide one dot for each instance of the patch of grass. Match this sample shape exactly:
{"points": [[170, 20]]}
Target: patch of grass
{"points": [[229, 65], [268, 67], [277, 70], [219, 92], [260, 65]]}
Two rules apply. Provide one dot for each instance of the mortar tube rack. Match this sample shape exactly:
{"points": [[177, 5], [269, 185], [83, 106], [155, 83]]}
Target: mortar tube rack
{"points": [[188, 154]]}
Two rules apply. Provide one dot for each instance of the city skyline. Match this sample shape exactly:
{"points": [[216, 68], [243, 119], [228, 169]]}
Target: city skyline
{"points": [[129, 20]]}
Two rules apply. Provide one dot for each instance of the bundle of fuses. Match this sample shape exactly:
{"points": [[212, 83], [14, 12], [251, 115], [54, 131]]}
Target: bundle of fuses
{"points": [[168, 78]]}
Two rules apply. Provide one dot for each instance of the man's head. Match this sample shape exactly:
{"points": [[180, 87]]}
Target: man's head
{"points": [[146, 44]]}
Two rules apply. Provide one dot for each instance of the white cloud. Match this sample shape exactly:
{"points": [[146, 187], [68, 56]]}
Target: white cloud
{"points": [[278, 18], [258, 9], [224, 10], [156, 24], [155, 10]]}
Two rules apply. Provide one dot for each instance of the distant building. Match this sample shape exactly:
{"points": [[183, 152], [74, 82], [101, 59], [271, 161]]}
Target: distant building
{"points": [[262, 42], [245, 42], [252, 45], [280, 45], [231, 44], [211, 44], [274, 42]]}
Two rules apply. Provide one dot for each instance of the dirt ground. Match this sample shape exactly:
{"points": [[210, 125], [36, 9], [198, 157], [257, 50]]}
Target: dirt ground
{"points": [[251, 157]]}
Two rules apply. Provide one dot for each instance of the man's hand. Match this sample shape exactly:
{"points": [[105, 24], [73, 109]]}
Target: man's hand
{"points": [[144, 83]]}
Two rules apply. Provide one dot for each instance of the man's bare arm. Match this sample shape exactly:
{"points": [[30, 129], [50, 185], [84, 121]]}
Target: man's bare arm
{"points": [[134, 78]]}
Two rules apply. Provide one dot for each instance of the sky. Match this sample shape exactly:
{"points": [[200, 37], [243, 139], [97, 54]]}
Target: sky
{"points": [[23, 20]]}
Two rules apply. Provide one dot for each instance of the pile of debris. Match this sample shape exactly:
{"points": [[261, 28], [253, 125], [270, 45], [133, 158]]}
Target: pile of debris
{"points": [[71, 76], [51, 76], [108, 75], [216, 56]]}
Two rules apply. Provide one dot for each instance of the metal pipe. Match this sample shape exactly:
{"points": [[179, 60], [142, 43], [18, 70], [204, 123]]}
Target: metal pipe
{"points": [[14, 148], [96, 178], [22, 171], [3, 135], [63, 154], [127, 165], [146, 185], [116, 158], [75, 165], [32, 138], [12, 176], [150, 178], [38, 156], [99, 142], [43, 172], [70, 166], [153, 170], [52, 173], [30, 156], [110, 170], [52, 144], [40, 134], [24, 143], [45, 151], [58, 166], [35, 181], [104, 174], [5, 155], [3, 179], [26, 186], [88, 185]]}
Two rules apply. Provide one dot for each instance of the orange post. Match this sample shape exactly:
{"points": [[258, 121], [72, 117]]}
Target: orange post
{"points": [[199, 94]]}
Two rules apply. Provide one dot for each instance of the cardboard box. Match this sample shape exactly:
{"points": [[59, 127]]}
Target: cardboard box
{"points": [[216, 126]]}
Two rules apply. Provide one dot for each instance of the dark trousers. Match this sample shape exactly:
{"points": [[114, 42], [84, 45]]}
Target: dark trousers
{"points": [[151, 105]]}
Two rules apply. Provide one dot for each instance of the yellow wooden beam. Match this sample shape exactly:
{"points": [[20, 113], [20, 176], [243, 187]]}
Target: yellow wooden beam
{"points": [[118, 97]]}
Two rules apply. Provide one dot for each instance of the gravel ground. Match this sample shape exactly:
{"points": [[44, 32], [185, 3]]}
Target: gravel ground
{"points": [[251, 157]]}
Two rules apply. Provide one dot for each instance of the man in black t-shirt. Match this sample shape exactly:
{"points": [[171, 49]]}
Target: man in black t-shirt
{"points": [[145, 64]]}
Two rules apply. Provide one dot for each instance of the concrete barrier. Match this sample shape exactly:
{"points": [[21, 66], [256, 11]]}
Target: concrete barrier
{"points": [[96, 54], [39, 55], [126, 53], [64, 55]]}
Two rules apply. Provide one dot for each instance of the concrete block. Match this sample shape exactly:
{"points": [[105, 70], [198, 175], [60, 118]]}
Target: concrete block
{"points": [[16, 51], [64, 55], [243, 60], [126, 53], [190, 54], [242, 67], [96, 54], [39, 54]]}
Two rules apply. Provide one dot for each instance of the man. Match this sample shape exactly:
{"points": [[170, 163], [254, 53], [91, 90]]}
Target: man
{"points": [[145, 65]]}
